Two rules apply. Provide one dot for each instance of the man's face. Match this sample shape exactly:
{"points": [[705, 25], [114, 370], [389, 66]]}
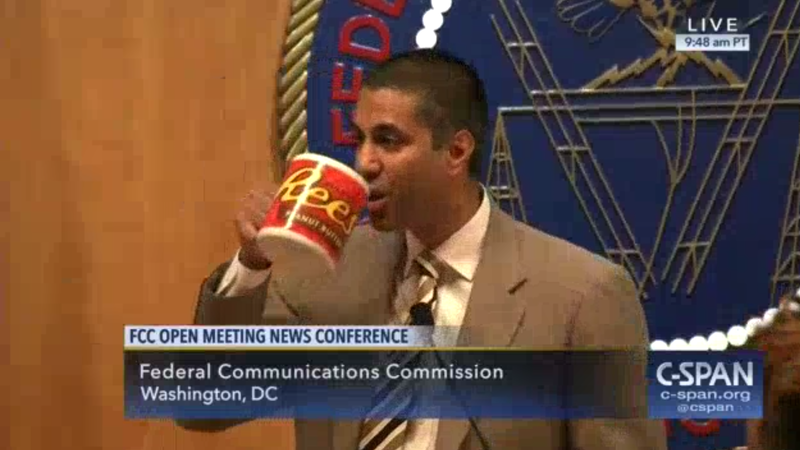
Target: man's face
{"points": [[396, 156]]}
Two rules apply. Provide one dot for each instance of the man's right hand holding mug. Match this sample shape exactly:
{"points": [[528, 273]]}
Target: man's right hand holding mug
{"points": [[248, 222]]}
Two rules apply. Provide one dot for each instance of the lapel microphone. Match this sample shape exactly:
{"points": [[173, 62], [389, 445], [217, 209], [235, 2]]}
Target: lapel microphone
{"points": [[422, 314]]}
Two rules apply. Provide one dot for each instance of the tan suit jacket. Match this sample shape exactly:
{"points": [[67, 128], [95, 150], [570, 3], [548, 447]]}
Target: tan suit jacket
{"points": [[530, 290]]}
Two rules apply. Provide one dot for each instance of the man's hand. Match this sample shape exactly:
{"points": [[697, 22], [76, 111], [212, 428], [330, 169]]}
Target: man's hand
{"points": [[248, 221]]}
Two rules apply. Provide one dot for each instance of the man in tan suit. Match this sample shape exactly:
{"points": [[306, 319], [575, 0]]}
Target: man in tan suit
{"points": [[421, 121]]}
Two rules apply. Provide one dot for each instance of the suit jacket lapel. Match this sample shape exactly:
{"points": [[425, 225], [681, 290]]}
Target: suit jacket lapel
{"points": [[492, 318], [494, 312], [381, 275]]}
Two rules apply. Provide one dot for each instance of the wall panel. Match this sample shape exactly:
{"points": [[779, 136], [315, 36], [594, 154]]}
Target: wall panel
{"points": [[134, 128]]}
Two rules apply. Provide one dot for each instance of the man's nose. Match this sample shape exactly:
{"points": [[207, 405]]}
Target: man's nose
{"points": [[368, 164]]}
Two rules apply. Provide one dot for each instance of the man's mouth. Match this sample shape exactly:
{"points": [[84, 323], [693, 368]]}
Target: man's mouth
{"points": [[376, 201]]}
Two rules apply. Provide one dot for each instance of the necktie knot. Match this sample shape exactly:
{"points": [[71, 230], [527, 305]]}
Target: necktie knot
{"points": [[431, 268], [430, 264]]}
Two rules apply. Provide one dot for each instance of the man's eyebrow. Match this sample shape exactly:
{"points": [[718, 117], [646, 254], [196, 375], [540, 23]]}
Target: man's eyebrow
{"points": [[385, 127]]}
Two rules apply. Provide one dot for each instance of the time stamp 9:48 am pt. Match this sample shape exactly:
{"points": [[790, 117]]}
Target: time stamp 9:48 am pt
{"points": [[710, 34], [712, 42]]}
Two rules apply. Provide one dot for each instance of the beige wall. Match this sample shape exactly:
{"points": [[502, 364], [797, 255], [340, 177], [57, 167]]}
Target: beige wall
{"points": [[134, 127]]}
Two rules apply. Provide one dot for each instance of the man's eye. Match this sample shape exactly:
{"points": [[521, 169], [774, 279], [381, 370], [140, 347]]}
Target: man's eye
{"points": [[387, 140]]}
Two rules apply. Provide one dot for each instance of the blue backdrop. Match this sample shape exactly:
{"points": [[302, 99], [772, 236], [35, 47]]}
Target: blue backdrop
{"points": [[682, 167]]}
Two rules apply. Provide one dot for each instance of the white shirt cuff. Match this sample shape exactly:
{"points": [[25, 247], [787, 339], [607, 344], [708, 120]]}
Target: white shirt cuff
{"points": [[238, 279]]}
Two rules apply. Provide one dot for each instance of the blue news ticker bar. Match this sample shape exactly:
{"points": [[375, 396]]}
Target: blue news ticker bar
{"points": [[508, 383]]}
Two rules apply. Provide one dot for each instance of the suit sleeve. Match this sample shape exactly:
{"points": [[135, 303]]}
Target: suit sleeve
{"points": [[263, 304], [259, 305], [610, 316]]}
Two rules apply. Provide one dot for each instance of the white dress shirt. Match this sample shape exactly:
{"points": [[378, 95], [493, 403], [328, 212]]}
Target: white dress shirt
{"points": [[461, 252], [238, 279]]}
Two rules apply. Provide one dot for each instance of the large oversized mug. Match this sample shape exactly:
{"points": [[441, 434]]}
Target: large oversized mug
{"points": [[312, 216]]}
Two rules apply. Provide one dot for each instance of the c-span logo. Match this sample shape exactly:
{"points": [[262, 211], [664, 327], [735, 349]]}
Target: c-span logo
{"points": [[681, 165], [689, 385], [693, 373]]}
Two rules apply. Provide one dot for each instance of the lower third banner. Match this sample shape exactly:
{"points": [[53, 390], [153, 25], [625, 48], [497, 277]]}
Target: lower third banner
{"points": [[508, 383]]}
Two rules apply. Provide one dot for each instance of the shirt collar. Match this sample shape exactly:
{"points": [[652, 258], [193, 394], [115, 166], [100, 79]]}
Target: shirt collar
{"points": [[462, 250]]}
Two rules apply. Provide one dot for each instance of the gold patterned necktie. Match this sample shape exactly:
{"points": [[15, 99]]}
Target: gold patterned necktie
{"points": [[387, 422]]}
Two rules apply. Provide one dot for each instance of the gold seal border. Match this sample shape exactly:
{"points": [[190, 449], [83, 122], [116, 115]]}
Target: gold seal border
{"points": [[293, 78]]}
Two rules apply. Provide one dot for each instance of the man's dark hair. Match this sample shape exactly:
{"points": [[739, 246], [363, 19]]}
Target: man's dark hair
{"points": [[452, 96]]}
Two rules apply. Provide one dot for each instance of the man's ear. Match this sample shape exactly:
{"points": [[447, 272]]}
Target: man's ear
{"points": [[462, 145]]}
